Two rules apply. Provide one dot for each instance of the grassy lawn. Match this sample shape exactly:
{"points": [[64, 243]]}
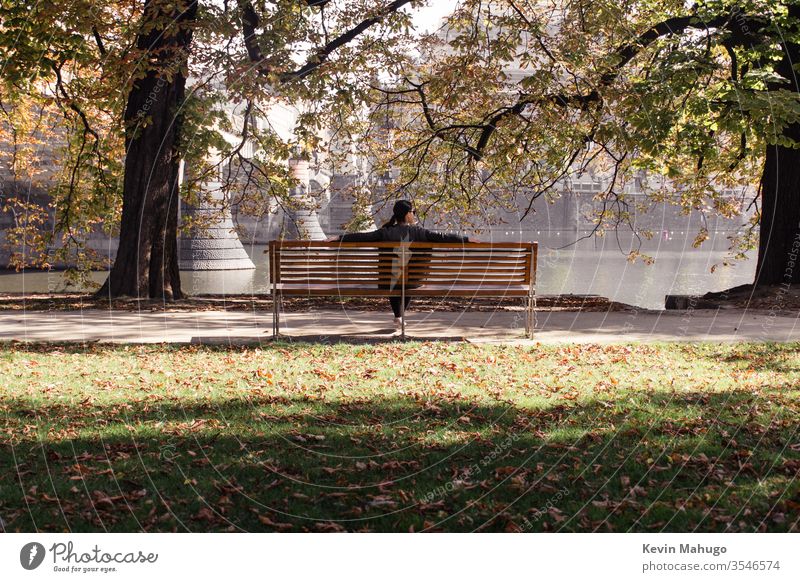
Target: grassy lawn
{"points": [[399, 437]]}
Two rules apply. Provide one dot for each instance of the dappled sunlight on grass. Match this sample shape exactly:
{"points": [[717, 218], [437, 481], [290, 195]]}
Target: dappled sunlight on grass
{"points": [[423, 436]]}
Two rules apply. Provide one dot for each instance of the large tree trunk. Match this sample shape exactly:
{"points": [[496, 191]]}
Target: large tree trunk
{"points": [[147, 260], [780, 190], [779, 236]]}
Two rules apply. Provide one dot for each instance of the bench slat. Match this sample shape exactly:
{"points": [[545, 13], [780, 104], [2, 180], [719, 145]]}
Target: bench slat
{"points": [[352, 268], [332, 281], [284, 259], [345, 292], [444, 263], [288, 244], [444, 270]]}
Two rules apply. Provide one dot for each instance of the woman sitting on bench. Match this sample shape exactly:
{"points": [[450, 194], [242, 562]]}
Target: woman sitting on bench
{"points": [[402, 227]]}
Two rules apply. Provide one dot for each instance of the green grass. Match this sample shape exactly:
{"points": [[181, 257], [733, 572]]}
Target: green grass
{"points": [[400, 436]]}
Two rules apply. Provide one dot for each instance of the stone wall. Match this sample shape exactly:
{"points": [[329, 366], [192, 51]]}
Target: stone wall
{"points": [[569, 213]]}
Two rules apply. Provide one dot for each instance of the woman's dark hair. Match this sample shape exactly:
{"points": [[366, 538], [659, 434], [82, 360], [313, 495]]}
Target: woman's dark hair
{"points": [[401, 208]]}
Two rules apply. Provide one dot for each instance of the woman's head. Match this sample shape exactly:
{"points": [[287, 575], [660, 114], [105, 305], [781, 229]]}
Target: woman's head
{"points": [[402, 213]]}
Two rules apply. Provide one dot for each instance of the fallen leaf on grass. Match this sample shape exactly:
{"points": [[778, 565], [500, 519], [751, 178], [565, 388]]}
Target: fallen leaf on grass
{"points": [[205, 514], [556, 514], [382, 501], [329, 526], [280, 526]]}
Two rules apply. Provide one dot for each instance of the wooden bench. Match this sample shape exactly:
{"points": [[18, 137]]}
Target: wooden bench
{"points": [[407, 269]]}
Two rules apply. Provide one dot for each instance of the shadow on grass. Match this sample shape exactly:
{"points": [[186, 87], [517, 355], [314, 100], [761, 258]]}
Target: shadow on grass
{"points": [[762, 357], [262, 462]]}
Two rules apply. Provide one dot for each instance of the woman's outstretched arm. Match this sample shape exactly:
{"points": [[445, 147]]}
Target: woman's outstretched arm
{"points": [[446, 237], [374, 236]]}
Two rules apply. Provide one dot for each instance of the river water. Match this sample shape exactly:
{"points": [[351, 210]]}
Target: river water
{"points": [[594, 266]]}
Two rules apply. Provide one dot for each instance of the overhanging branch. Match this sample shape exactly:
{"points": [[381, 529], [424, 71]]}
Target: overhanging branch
{"points": [[743, 33], [250, 22]]}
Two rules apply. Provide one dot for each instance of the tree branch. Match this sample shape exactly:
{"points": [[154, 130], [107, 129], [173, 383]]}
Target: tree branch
{"points": [[734, 62], [624, 54], [98, 39], [426, 110], [250, 21], [491, 127], [71, 104], [322, 54]]}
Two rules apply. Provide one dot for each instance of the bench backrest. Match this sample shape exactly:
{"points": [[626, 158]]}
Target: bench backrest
{"points": [[392, 264]]}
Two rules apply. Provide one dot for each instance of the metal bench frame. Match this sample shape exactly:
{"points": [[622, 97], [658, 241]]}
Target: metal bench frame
{"points": [[317, 269]]}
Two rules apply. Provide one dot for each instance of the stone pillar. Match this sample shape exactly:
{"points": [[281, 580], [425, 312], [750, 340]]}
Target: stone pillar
{"points": [[216, 248], [302, 221], [571, 219], [340, 208]]}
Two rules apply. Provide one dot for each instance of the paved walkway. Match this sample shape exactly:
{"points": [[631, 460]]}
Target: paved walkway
{"points": [[214, 327]]}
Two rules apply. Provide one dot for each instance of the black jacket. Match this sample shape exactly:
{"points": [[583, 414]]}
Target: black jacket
{"points": [[404, 233], [400, 233]]}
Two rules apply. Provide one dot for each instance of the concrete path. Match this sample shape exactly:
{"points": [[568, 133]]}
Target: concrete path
{"points": [[215, 327]]}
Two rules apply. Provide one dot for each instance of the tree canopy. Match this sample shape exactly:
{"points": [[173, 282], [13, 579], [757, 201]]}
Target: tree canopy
{"points": [[95, 78], [515, 97], [509, 99]]}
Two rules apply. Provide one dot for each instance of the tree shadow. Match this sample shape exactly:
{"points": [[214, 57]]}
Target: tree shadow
{"points": [[691, 461], [764, 356]]}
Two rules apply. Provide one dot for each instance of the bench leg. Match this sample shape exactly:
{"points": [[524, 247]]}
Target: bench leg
{"points": [[530, 318], [527, 318], [276, 315], [403, 317], [533, 316]]}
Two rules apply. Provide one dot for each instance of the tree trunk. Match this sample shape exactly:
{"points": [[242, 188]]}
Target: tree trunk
{"points": [[147, 259], [779, 234]]}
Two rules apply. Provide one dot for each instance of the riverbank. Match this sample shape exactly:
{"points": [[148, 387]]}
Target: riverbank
{"points": [[82, 301], [774, 298]]}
